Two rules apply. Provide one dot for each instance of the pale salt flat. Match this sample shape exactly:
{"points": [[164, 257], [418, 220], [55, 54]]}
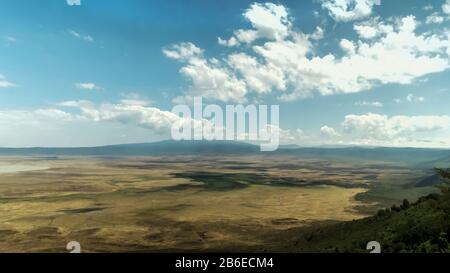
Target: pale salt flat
{"points": [[13, 168]]}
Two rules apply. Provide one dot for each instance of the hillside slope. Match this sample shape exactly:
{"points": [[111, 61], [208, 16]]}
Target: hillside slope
{"points": [[423, 226]]}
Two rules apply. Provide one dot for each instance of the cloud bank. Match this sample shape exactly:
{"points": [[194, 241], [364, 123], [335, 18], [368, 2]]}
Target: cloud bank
{"points": [[273, 57]]}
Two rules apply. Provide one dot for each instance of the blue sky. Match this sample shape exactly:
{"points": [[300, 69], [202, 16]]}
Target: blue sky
{"points": [[362, 72]]}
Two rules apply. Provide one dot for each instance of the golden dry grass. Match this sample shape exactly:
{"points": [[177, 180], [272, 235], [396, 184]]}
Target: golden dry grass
{"points": [[132, 204]]}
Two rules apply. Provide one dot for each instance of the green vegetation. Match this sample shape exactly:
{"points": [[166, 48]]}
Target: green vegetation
{"points": [[423, 226], [231, 181]]}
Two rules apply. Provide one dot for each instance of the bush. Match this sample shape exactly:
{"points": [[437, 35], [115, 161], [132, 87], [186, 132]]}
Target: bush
{"points": [[381, 213], [442, 242], [405, 204]]}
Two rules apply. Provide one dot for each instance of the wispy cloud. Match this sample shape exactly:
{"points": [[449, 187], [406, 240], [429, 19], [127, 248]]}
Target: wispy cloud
{"points": [[132, 98], [4, 83], [428, 7], [10, 39], [87, 38], [88, 86], [413, 98], [434, 18], [369, 103], [73, 2]]}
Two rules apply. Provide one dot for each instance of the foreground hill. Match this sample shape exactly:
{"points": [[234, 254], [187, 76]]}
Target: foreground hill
{"points": [[423, 226]]}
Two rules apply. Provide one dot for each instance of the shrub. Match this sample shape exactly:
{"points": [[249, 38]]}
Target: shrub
{"points": [[405, 204]]}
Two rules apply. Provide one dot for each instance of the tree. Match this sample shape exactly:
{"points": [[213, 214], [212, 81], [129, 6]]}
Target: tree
{"points": [[395, 208], [405, 204], [445, 175], [442, 242]]}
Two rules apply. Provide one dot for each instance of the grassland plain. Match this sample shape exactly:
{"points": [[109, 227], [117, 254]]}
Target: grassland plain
{"points": [[186, 203]]}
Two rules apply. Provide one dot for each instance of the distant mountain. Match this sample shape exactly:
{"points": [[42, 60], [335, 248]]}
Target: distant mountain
{"points": [[290, 146], [425, 157], [406, 155], [167, 147]]}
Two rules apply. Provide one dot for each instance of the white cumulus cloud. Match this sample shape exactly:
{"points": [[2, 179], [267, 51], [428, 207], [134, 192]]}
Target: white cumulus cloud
{"points": [[376, 128], [210, 78], [329, 131], [349, 10], [135, 114], [279, 58], [269, 21], [446, 7]]}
